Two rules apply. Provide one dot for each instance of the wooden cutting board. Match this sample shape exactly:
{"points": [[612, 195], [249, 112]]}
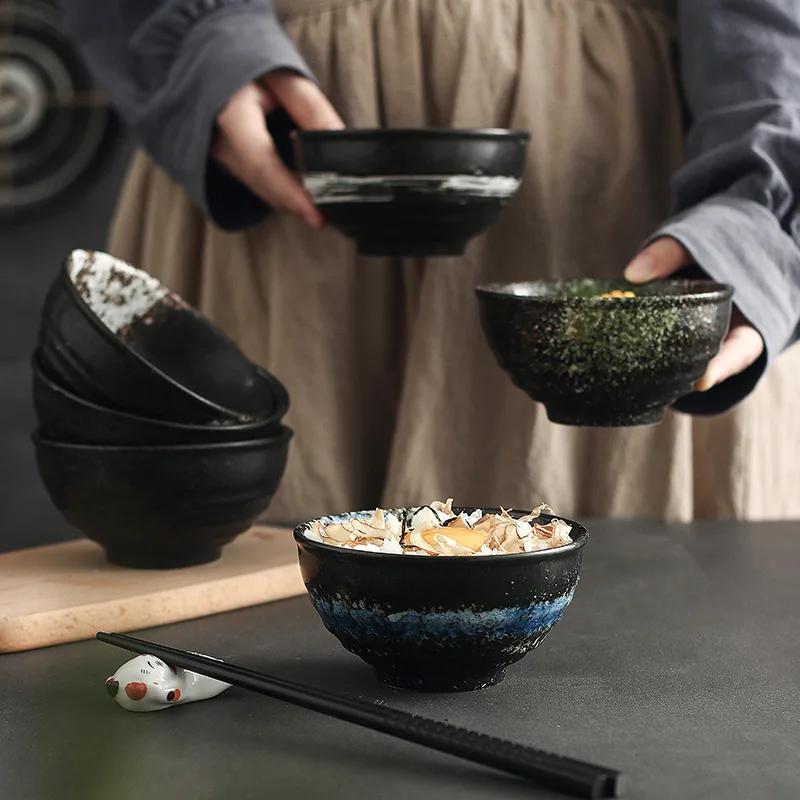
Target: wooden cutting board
{"points": [[67, 592]]}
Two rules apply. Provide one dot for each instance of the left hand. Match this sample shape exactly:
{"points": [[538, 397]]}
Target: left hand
{"points": [[743, 344]]}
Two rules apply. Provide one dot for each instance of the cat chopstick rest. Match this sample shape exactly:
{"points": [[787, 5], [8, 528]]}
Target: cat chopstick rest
{"points": [[146, 683]]}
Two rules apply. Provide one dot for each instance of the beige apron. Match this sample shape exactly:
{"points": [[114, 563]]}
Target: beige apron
{"points": [[396, 398]]}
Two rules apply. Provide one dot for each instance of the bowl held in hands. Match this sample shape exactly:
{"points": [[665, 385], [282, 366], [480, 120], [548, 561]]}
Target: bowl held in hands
{"points": [[417, 193], [605, 361]]}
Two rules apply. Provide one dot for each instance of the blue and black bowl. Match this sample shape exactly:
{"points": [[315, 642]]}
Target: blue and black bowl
{"points": [[439, 623]]}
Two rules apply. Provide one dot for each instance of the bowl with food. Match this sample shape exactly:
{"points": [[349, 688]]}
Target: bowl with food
{"points": [[411, 192], [605, 353], [438, 598]]}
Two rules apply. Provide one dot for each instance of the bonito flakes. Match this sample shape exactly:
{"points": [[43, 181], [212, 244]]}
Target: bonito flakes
{"points": [[436, 530]]}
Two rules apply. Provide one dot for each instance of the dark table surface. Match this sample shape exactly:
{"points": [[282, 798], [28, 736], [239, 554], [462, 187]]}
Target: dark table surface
{"points": [[677, 662]]}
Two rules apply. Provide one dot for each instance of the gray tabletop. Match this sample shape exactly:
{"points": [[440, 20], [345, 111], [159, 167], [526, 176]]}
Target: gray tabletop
{"points": [[678, 662]]}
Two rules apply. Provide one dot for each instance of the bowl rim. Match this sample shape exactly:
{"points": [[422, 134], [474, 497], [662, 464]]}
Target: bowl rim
{"points": [[281, 395], [118, 343], [356, 134], [707, 291], [397, 558], [283, 435]]}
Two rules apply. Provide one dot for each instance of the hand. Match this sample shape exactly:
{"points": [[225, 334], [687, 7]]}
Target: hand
{"points": [[742, 346], [245, 148]]}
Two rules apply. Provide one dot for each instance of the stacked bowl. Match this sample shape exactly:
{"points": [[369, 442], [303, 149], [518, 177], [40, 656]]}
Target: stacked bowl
{"points": [[157, 437]]}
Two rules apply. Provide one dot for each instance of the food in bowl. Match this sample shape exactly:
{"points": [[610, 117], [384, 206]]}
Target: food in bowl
{"points": [[443, 623], [437, 530]]}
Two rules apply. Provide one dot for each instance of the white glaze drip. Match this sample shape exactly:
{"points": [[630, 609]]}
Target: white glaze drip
{"points": [[331, 187], [117, 293]]}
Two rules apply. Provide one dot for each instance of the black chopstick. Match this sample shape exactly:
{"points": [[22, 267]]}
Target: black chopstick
{"points": [[565, 775]]}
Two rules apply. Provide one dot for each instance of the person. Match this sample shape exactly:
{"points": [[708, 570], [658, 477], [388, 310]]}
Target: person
{"points": [[396, 398]]}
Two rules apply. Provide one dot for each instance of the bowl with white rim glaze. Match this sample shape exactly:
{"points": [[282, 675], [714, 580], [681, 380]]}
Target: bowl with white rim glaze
{"points": [[411, 192], [122, 339], [439, 623]]}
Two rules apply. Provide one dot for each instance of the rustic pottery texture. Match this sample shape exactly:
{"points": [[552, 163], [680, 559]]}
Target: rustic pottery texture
{"points": [[605, 361], [66, 417], [439, 623], [163, 507], [411, 192], [136, 346]]}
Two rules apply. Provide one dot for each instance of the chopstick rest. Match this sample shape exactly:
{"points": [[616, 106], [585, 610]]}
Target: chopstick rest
{"points": [[566, 775], [146, 683]]}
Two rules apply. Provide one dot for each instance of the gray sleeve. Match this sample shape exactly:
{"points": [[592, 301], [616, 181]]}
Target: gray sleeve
{"points": [[169, 66], [738, 195]]}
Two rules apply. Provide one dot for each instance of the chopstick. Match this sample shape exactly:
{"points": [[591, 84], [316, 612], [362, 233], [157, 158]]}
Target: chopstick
{"points": [[566, 775]]}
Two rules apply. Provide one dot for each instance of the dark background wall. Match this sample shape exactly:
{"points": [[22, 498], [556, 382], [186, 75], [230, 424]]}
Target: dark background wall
{"points": [[30, 254]]}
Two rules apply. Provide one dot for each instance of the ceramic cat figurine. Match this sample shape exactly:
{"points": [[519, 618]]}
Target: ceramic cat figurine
{"points": [[146, 683]]}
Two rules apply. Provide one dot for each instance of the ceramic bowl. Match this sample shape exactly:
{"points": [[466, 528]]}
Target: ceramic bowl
{"points": [[439, 623], [56, 360], [605, 362], [64, 416], [412, 193], [120, 338], [162, 507]]}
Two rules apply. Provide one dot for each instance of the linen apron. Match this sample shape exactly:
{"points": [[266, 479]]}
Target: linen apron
{"points": [[396, 398]]}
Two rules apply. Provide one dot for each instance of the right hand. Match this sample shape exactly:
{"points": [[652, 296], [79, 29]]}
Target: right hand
{"points": [[244, 147]]}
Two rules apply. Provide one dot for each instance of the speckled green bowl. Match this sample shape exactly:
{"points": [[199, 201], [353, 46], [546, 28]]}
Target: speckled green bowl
{"points": [[605, 362]]}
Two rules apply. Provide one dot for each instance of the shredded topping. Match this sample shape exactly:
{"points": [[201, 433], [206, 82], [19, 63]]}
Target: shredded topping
{"points": [[436, 530]]}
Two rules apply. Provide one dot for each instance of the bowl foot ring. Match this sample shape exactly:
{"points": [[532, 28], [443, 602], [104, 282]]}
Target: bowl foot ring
{"points": [[438, 682], [615, 419], [138, 559]]}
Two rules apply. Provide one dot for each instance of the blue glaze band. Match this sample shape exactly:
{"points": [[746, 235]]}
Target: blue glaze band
{"points": [[498, 623]]}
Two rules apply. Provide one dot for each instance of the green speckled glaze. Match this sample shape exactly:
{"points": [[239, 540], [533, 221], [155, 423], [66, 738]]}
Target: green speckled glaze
{"points": [[617, 339], [605, 362]]}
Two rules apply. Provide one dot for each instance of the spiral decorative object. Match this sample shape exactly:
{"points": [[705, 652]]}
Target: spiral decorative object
{"points": [[56, 129]]}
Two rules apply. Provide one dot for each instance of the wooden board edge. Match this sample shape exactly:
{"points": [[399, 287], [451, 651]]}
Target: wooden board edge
{"points": [[87, 544], [152, 610]]}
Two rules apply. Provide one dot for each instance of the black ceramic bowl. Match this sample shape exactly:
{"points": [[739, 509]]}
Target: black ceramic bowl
{"points": [[116, 336], [163, 507], [439, 623], [605, 362], [412, 193], [57, 361], [65, 417]]}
